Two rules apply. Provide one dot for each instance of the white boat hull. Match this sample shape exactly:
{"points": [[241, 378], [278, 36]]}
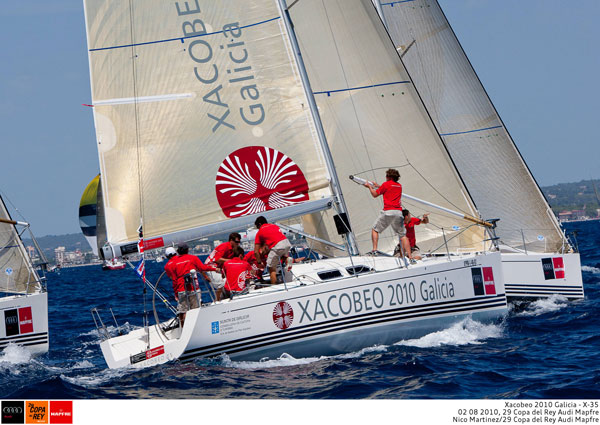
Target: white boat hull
{"points": [[540, 275], [24, 321], [325, 318]]}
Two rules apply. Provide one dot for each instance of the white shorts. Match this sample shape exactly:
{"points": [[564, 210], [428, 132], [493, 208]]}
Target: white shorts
{"points": [[216, 279], [393, 218], [280, 249]]}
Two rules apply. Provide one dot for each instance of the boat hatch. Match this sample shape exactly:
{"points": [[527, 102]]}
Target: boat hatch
{"points": [[358, 269], [329, 274]]}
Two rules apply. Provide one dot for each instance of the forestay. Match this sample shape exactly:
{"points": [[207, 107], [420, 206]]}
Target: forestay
{"points": [[374, 120], [201, 118], [481, 147], [16, 272]]}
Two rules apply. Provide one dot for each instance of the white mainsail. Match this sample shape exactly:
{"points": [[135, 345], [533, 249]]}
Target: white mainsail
{"points": [[200, 116], [484, 153], [17, 274], [374, 120]]}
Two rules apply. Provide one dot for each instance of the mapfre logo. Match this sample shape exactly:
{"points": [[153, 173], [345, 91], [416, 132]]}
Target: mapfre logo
{"points": [[61, 412], [255, 179], [13, 412]]}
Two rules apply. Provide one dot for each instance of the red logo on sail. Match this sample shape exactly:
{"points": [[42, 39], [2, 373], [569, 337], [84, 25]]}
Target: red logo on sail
{"points": [[255, 179], [283, 315]]}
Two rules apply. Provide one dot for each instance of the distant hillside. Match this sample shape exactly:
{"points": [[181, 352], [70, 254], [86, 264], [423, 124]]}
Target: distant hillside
{"points": [[574, 196], [71, 242]]}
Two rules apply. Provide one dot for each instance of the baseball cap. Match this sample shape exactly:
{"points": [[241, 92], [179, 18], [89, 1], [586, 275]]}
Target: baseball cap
{"points": [[170, 251]]}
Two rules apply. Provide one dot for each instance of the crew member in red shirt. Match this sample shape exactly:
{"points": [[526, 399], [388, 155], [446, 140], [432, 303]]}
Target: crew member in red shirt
{"points": [[177, 268], [250, 258], [270, 235], [391, 214], [217, 258], [237, 271], [409, 224]]}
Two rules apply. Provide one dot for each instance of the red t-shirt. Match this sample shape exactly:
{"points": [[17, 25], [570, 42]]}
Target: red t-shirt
{"points": [[224, 250], [392, 192], [179, 266], [250, 258], [269, 234], [410, 230], [236, 272]]}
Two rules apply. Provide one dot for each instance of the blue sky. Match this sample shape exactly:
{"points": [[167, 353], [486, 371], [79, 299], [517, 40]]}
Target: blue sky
{"points": [[537, 59]]}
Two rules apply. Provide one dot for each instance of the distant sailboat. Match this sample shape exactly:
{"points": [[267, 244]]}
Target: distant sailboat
{"points": [[23, 296], [537, 258], [205, 119], [91, 221]]}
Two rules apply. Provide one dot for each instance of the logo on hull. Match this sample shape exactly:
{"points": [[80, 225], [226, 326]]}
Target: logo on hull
{"points": [[554, 268], [283, 315], [483, 281]]}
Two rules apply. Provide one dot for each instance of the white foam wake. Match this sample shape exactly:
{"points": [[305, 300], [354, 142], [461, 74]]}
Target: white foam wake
{"points": [[286, 360], [590, 269], [467, 331], [14, 354], [544, 305]]}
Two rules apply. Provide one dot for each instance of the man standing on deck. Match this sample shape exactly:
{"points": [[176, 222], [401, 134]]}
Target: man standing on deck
{"points": [[179, 269], [217, 258], [270, 235], [392, 209], [409, 224]]}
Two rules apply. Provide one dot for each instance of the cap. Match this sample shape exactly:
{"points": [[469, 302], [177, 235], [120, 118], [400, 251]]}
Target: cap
{"points": [[170, 251], [182, 245]]}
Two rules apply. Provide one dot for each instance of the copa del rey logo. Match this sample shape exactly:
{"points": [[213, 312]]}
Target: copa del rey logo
{"points": [[255, 179], [283, 315]]}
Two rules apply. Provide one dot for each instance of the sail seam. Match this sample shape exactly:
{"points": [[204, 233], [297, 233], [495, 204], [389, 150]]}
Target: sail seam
{"points": [[470, 131], [328, 92], [167, 40]]}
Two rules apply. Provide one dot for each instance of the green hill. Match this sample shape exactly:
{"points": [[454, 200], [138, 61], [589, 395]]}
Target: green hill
{"points": [[574, 196]]}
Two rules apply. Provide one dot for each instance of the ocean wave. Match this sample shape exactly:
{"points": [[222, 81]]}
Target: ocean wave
{"points": [[14, 354], [97, 379], [283, 360], [590, 269], [467, 331], [544, 305]]}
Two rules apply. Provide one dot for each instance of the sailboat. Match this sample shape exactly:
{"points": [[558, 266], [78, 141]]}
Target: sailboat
{"points": [[207, 117], [91, 221], [23, 296], [537, 258]]}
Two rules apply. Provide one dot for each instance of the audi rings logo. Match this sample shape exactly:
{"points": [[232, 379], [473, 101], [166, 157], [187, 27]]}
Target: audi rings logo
{"points": [[12, 320], [255, 179], [13, 412]]}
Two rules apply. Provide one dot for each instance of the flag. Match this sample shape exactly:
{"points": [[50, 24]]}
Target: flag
{"points": [[140, 269]]}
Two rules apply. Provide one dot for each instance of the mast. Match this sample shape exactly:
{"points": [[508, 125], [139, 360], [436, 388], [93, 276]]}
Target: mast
{"points": [[335, 184]]}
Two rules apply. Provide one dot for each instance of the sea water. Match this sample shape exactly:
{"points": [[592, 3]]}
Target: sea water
{"points": [[543, 349]]}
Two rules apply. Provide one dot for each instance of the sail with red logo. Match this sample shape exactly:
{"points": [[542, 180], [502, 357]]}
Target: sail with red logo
{"points": [[201, 119]]}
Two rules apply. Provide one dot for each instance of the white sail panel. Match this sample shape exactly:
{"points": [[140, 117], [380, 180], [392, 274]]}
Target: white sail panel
{"points": [[482, 149], [374, 120], [17, 275], [202, 108]]}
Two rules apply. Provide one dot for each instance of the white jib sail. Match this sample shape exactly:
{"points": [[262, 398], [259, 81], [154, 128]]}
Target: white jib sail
{"points": [[200, 116], [17, 274], [374, 120], [488, 161]]}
